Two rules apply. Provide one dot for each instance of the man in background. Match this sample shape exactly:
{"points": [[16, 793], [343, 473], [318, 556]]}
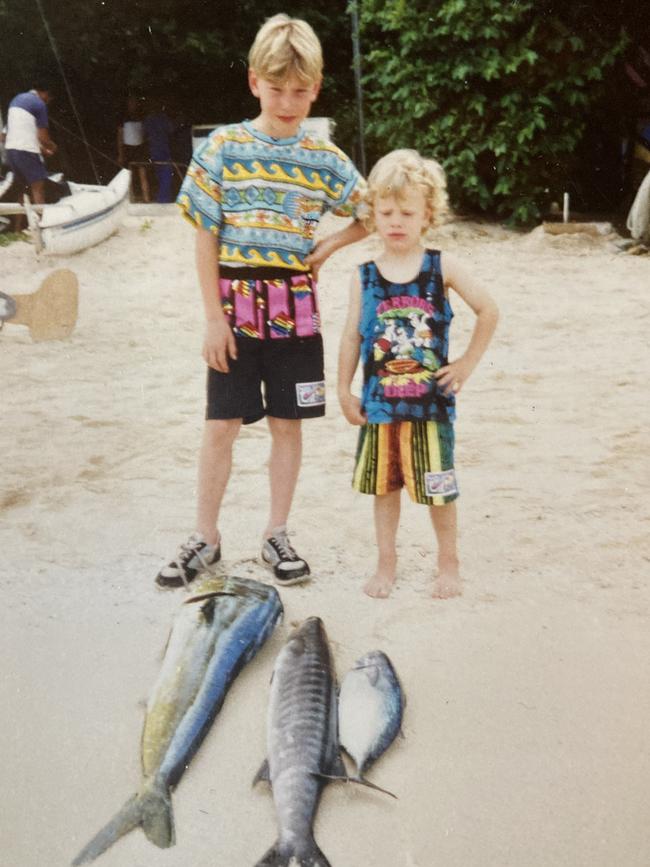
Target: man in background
{"points": [[28, 139]]}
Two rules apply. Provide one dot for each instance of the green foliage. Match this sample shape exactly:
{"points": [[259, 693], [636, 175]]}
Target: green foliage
{"points": [[7, 238], [499, 92]]}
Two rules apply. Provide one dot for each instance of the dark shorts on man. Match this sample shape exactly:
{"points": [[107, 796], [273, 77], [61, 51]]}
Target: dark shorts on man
{"points": [[27, 165], [283, 378]]}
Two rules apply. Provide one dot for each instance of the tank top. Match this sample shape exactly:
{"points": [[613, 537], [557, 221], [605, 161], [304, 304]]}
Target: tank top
{"points": [[404, 340]]}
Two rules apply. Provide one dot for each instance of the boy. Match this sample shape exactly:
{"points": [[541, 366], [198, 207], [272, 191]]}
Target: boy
{"points": [[256, 191], [398, 322]]}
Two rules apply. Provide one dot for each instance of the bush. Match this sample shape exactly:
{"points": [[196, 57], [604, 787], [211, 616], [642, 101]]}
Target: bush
{"points": [[499, 92]]}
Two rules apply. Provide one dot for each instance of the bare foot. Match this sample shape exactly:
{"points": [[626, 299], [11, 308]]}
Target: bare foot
{"points": [[379, 586], [448, 582]]}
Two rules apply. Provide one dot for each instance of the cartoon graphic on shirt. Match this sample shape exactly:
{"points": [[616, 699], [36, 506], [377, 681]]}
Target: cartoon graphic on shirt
{"points": [[403, 352]]}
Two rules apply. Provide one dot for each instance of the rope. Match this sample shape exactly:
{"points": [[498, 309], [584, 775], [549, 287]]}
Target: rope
{"points": [[65, 129], [67, 87]]}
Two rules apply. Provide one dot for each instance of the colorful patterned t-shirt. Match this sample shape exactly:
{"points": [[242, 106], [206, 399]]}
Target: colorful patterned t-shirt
{"points": [[264, 197], [404, 340]]}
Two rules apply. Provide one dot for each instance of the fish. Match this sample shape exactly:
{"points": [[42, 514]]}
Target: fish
{"points": [[215, 634], [302, 743], [371, 706]]}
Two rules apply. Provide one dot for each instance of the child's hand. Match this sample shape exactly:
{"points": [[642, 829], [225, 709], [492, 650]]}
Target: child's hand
{"points": [[452, 377], [351, 406], [317, 257], [219, 344]]}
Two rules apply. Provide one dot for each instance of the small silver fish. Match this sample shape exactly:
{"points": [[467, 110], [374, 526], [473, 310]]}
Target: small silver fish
{"points": [[212, 639], [302, 739], [371, 705]]}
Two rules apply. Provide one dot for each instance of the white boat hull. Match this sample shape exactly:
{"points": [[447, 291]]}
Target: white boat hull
{"points": [[86, 217]]}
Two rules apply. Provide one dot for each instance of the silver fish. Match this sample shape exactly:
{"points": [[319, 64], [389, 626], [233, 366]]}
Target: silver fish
{"points": [[371, 705], [210, 642], [302, 740]]}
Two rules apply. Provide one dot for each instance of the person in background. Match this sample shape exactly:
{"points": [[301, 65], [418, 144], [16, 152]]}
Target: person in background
{"points": [[131, 147], [158, 129], [28, 141]]}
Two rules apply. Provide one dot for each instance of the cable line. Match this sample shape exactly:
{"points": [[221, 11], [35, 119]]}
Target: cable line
{"points": [[67, 87]]}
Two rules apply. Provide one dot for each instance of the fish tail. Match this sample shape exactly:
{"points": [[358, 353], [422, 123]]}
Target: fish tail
{"points": [[304, 852], [151, 809]]}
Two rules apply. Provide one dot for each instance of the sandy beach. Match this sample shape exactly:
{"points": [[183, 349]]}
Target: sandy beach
{"points": [[526, 733]]}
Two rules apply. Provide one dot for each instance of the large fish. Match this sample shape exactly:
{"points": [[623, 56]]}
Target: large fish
{"points": [[210, 642], [371, 705], [302, 741]]}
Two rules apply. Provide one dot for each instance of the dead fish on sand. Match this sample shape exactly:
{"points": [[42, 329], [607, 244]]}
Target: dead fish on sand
{"points": [[210, 642], [303, 748], [371, 705]]}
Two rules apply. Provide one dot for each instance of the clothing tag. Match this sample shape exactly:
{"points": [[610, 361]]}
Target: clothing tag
{"points": [[440, 484], [310, 393]]}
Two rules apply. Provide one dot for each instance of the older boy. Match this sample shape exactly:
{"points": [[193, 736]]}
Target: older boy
{"points": [[256, 192]]}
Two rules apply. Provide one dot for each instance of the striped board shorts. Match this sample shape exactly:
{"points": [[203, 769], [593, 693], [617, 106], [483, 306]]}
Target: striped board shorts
{"points": [[418, 455]]}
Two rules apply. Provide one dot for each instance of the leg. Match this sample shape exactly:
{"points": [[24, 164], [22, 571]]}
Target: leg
{"points": [[215, 462], [387, 509], [38, 192], [284, 466], [448, 581], [144, 184], [164, 174]]}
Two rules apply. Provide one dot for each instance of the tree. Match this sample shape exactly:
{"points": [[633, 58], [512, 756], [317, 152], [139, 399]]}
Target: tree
{"points": [[193, 53], [501, 93]]}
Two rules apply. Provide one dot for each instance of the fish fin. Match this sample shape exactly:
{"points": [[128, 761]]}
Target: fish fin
{"points": [[158, 817], [338, 769], [263, 774], [303, 852], [201, 597], [344, 778], [151, 809], [363, 782]]}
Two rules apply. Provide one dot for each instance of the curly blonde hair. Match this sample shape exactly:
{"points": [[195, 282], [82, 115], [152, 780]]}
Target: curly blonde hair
{"points": [[397, 173], [286, 46]]}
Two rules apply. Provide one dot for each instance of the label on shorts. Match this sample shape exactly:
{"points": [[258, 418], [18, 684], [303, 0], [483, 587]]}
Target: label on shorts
{"points": [[310, 393], [440, 484]]}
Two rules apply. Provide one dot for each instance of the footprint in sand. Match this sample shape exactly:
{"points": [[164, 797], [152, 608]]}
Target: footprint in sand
{"points": [[14, 499]]}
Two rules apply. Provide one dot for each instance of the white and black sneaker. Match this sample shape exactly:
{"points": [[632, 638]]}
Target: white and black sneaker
{"points": [[194, 557], [278, 554]]}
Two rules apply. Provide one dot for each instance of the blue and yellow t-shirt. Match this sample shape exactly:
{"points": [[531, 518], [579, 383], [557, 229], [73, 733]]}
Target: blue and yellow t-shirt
{"points": [[264, 197]]}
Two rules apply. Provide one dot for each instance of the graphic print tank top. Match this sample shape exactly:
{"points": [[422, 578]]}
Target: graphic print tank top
{"points": [[404, 340]]}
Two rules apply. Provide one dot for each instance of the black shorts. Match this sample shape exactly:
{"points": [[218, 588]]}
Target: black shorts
{"points": [[281, 378]]}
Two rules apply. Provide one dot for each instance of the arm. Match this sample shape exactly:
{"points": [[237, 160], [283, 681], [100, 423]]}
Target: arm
{"points": [[349, 356], [219, 341], [453, 376], [352, 233], [47, 145]]}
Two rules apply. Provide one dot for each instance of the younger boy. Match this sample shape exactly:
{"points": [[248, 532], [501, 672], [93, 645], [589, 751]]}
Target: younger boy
{"points": [[256, 191], [398, 322]]}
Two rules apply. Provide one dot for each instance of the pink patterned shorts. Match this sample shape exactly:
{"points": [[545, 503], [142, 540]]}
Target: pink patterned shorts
{"points": [[269, 303]]}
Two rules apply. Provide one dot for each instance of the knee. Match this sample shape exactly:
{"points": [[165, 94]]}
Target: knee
{"points": [[285, 428], [221, 432]]}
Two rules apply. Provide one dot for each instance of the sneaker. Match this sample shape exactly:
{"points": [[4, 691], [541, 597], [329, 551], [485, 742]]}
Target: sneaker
{"points": [[279, 555], [194, 556]]}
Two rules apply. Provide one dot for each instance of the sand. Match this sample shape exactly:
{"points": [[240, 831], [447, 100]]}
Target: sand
{"points": [[526, 734]]}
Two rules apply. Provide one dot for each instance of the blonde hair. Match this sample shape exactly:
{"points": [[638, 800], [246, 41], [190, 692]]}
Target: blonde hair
{"points": [[399, 172], [286, 46]]}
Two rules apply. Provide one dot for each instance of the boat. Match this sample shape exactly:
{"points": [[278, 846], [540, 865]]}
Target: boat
{"points": [[83, 216]]}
